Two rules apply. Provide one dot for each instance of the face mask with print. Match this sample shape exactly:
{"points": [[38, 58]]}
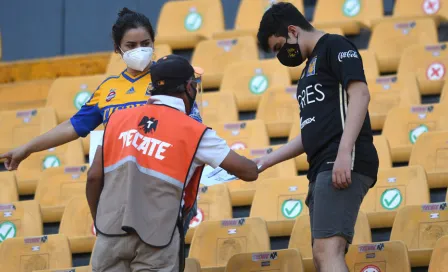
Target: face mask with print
{"points": [[138, 58], [290, 54]]}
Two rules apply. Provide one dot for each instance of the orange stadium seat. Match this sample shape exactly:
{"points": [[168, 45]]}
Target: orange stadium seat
{"points": [[73, 269], [215, 55], [20, 219], [439, 261], [68, 94], [349, 15], [243, 134], [35, 253], [213, 204], [77, 225], [426, 63], [400, 35], [384, 256], [183, 24], [192, 265], [117, 65], [279, 201], [56, 187], [215, 242], [8, 183], [286, 260], [301, 237], [419, 227], [24, 95], [218, 107], [394, 189], [404, 125], [431, 152], [249, 79], [411, 9]]}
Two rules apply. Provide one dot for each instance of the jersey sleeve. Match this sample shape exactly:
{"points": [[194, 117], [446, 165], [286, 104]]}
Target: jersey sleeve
{"points": [[212, 149], [89, 116], [345, 61]]}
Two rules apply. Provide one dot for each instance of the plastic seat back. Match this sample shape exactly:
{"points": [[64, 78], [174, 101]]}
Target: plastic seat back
{"points": [[243, 134], [8, 183], [20, 219], [218, 107], [286, 260]]}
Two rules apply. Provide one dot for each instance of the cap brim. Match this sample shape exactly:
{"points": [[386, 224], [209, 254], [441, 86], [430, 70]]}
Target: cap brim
{"points": [[198, 70]]}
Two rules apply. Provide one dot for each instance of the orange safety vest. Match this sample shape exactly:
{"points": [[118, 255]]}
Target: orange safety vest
{"points": [[147, 155]]}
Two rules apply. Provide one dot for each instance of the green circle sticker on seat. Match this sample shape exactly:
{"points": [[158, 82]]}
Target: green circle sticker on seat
{"points": [[258, 84], [51, 161], [292, 208], [193, 21], [81, 98], [391, 199], [7, 230], [416, 132], [351, 8]]}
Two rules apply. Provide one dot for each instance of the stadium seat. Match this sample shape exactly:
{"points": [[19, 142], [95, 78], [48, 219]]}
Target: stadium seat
{"points": [[370, 63], [213, 204], [286, 260], [73, 269], [394, 189], [279, 201], [243, 134], [349, 15], [218, 107], [214, 242], [215, 55], [387, 92], [276, 108], [192, 265], [18, 95], [117, 65], [404, 125], [419, 227], [68, 94], [30, 170], [56, 187], [301, 237], [439, 262], [411, 9], [35, 253], [20, 219], [427, 64], [86, 141], [183, 24], [249, 79], [384, 256], [431, 152], [399, 35], [8, 183]]}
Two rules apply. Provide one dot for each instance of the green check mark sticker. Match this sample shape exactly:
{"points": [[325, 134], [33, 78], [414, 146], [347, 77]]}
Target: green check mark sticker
{"points": [[81, 98], [51, 161], [258, 84], [391, 199], [193, 21], [351, 8], [7, 230], [292, 208]]}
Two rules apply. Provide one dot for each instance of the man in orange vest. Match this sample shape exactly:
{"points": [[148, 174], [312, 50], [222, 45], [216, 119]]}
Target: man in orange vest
{"points": [[145, 177]]}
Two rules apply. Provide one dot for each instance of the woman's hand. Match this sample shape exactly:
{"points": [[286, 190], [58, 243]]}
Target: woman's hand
{"points": [[14, 157]]}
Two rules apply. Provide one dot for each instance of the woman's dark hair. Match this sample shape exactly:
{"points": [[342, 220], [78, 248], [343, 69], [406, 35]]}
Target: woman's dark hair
{"points": [[276, 20], [128, 19]]}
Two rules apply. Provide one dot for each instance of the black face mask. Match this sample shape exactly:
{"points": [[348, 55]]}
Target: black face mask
{"points": [[290, 55], [191, 99]]}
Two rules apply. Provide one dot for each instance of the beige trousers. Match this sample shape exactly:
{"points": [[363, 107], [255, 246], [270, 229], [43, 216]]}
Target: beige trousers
{"points": [[130, 254]]}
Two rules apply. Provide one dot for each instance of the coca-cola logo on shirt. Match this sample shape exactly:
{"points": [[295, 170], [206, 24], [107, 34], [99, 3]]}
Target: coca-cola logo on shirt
{"points": [[348, 54]]}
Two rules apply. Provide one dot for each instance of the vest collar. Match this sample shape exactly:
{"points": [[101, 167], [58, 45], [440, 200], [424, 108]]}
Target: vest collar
{"points": [[171, 101]]}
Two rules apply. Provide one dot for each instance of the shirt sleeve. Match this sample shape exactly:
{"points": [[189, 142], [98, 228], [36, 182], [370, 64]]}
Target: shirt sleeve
{"points": [[212, 149], [345, 62], [88, 117]]}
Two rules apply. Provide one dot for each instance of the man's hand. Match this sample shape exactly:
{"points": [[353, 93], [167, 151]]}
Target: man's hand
{"points": [[262, 163], [342, 177], [14, 157]]}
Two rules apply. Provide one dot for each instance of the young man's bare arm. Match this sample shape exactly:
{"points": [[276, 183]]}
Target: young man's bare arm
{"points": [[95, 181]]}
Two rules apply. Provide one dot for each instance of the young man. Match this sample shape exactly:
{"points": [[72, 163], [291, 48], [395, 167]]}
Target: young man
{"points": [[146, 177], [335, 128]]}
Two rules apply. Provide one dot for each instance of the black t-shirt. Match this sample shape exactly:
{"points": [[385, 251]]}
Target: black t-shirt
{"points": [[323, 101]]}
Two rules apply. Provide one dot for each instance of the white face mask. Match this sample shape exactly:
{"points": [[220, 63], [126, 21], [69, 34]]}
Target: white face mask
{"points": [[138, 58]]}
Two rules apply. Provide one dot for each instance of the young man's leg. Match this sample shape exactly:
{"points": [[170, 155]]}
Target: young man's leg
{"points": [[334, 217], [111, 254]]}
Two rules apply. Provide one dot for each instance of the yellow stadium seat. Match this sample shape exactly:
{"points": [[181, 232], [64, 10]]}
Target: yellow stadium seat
{"points": [[243, 134], [192, 265], [279, 201], [56, 187], [20, 219], [431, 152], [387, 92], [24, 95], [249, 79], [349, 15], [73, 269], [218, 107], [30, 170], [8, 183], [68, 94], [301, 237], [427, 64], [286, 260], [182, 24], [116, 64], [77, 225], [394, 189], [35, 253], [419, 227], [420, 9], [215, 242], [213, 204], [400, 35], [384, 256], [439, 262], [215, 55], [277, 108], [404, 125]]}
